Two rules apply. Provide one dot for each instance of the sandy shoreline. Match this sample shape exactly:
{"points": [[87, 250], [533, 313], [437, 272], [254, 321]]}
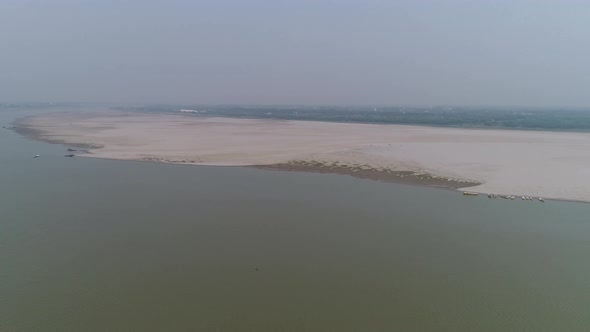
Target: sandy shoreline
{"points": [[543, 164]]}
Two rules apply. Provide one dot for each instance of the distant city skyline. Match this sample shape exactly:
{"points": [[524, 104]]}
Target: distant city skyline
{"points": [[322, 52]]}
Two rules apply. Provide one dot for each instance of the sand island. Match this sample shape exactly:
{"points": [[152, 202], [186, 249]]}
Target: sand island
{"points": [[546, 164]]}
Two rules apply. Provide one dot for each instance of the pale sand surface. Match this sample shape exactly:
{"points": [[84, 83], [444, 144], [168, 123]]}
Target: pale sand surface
{"points": [[546, 164]]}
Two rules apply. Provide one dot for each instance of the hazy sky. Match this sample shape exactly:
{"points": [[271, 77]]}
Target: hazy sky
{"points": [[443, 52]]}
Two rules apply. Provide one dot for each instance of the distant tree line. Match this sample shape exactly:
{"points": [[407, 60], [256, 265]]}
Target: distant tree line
{"points": [[463, 117]]}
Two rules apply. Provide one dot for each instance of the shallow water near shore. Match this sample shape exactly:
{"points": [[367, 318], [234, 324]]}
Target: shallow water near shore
{"points": [[96, 245]]}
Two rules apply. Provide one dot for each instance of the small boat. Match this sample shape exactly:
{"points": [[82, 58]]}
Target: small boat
{"points": [[541, 200], [36, 156], [470, 193], [71, 150], [69, 155]]}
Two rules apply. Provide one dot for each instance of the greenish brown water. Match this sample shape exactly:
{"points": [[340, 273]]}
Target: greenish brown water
{"points": [[99, 245]]}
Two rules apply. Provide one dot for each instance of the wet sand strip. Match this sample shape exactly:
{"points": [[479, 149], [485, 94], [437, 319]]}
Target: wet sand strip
{"points": [[372, 173]]}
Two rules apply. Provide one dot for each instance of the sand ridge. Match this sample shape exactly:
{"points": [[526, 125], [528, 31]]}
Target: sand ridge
{"points": [[533, 163]]}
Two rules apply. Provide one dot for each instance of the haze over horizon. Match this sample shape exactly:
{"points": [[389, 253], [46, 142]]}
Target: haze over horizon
{"points": [[453, 52]]}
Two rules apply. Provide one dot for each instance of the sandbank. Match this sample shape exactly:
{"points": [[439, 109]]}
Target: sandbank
{"points": [[533, 163]]}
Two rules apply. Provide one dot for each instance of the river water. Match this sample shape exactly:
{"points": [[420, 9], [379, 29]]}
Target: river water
{"points": [[101, 245]]}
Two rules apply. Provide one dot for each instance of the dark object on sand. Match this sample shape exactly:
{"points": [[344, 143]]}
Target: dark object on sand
{"points": [[69, 155], [71, 150]]}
